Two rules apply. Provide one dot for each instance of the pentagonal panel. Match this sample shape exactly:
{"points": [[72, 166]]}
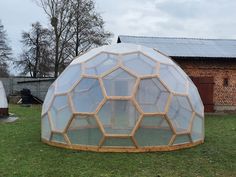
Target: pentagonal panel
{"points": [[152, 96], [197, 128], [45, 129], [118, 116], [118, 142], [174, 80], [58, 138], [153, 131], [195, 99], [180, 113], [84, 130], [60, 113], [181, 139], [100, 64], [119, 83], [87, 95], [140, 64], [68, 78], [48, 99]]}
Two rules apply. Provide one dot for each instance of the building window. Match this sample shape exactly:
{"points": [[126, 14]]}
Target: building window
{"points": [[226, 82]]}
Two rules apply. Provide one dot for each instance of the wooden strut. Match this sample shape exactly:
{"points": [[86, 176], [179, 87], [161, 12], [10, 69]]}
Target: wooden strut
{"points": [[132, 98]]}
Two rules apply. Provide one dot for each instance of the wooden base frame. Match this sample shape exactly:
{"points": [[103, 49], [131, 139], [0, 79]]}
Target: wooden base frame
{"points": [[123, 149]]}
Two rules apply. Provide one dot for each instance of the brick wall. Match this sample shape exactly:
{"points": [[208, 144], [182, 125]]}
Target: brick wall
{"points": [[224, 96]]}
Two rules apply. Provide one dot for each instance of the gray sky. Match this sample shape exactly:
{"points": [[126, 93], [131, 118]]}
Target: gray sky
{"points": [[178, 18]]}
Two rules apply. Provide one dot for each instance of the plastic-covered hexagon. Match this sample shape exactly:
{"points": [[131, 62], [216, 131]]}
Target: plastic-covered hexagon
{"points": [[123, 98]]}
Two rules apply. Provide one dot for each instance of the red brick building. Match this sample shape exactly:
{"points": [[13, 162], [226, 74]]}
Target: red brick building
{"points": [[211, 63]]}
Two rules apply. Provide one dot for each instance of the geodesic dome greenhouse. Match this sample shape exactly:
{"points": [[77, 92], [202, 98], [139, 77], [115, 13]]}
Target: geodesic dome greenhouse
{"points": [[123, 98], [3, 102]]}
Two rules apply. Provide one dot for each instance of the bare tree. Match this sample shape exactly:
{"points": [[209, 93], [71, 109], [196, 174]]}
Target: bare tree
{"points": [[88, 27], [35, 58], [60, 14], [76, 28], [5, 52]]}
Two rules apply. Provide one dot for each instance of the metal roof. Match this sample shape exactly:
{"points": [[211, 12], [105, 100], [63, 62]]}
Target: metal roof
{"points": [[186, 47]]}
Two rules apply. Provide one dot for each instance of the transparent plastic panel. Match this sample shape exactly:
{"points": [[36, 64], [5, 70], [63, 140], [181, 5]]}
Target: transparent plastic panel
{"points": [[118, 116], [156, 55], [87, 95], [48, 99], [195, 99], [68, 78], [60, 113], [174, 80], [181, 139], [197, 129], [153, 132], [180, 113], [45, 129], [58, 138], [119, 83], [140, 64], [118, 142], [101, 64], [84, 130], [152, 96]]}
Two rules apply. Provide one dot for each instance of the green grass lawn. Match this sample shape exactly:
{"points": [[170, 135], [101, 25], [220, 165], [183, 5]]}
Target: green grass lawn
{"points": [[23, 155]]}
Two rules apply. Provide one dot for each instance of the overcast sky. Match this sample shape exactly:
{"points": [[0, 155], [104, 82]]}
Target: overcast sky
{"points": [[178, 18]]}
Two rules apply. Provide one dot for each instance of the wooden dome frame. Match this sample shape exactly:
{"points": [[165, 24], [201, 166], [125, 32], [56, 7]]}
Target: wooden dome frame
{"points": [[136, 148]]}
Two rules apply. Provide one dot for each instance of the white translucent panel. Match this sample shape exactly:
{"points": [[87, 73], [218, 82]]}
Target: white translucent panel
{"points": [[151, 132], [3, 98], [86, 56], [118, 142], [140, 64], [60, 113], [58, 138], [60, 102], [197, 129], [84, 130], [87, 95], [181, 139], [100, 64], [195, 99], [48, 99], [156, 55], [180, 113], [68, 78], [119, 83], [45, 129], [118, 116], [152, 96], [174, 80]]}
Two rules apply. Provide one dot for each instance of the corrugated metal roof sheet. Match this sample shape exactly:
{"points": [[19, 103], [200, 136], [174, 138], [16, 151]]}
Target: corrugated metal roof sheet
{"points": [[186, 47]]}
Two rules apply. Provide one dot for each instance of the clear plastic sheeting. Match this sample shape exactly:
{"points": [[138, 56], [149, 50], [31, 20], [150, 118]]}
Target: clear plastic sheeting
{"points": [[87, 95], [118, 116], [100, 64], [153, 131], [180, 113], [45, 128], [60, 113], [152, 96], [140, 64], [123, 98], [119, 83], [173, 78], [84, 130], [68, 78]]}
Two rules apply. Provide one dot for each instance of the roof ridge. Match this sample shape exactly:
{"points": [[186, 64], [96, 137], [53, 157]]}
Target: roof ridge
{"points": [[164, 37]]}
